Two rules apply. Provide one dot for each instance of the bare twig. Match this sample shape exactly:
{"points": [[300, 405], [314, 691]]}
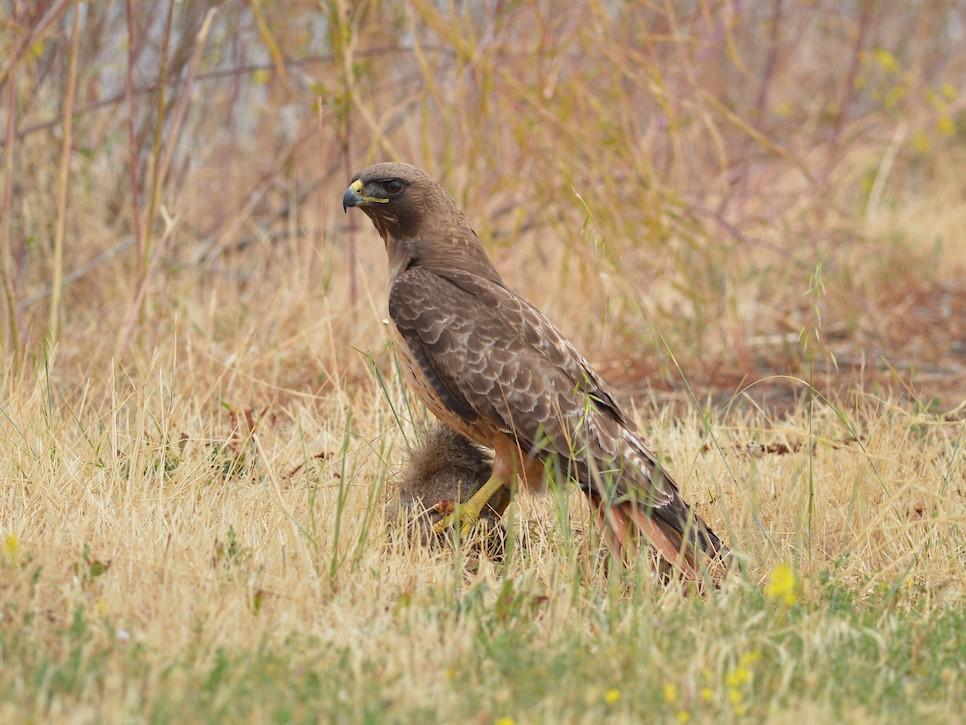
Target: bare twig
{"points": [[126, 329], [181, 109], [278, 60], [848, 93], [132, 135], [156, 152], [13, 329], [214, 75], [58, 271], [36, 34], [339, 15], [771, 61], [78, 273], [882, 174]]}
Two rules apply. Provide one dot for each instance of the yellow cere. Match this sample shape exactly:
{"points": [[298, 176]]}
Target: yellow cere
{"points": [[357, 187]]}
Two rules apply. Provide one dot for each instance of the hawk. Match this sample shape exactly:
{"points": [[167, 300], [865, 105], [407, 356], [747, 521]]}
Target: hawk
{"points": [[492, 367]]}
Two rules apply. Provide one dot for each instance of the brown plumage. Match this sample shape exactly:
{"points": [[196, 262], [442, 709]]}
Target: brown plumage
{"points": [[443, 469], [490, 365]]}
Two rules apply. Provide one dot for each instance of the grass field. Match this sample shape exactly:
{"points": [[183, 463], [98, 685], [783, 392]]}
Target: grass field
{"points": [[749, 216]]}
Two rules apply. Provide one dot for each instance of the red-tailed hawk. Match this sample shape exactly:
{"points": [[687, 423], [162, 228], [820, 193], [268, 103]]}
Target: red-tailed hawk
{"points": [[489, 364]]}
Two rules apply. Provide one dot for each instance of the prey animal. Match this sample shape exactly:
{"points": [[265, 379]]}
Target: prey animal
{"points": [[443, 470]]}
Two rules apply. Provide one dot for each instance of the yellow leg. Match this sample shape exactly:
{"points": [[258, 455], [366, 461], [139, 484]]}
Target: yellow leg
{"points": [[468, 512]]}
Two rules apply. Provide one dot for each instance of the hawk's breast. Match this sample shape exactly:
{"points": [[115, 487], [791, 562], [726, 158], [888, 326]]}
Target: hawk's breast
{"points": [[479, 431]]}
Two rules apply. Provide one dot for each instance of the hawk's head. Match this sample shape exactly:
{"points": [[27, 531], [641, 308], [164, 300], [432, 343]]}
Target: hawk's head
{"points": [[397, 197]]}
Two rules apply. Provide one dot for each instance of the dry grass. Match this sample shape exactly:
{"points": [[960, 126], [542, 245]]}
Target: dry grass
{"points": [[732, 194]]}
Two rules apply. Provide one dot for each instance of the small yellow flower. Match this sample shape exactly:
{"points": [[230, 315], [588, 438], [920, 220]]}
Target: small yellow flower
{"points": [[707, 694], [886, 59], [895, 96], [505, 721], [946, 126], [737, 677], [612, 696], [949, 91], [749, 658], [11, 545], [670, 693], [741, 709], [782, 585], [920, 142], [735, 697], [683, 716]]}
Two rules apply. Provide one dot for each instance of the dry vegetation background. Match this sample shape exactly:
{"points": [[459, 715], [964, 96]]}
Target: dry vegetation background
{"points": [[749, 215]]}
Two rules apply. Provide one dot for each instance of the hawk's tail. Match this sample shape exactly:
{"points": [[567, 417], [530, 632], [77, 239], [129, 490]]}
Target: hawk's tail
{"points": [[675, 531]]}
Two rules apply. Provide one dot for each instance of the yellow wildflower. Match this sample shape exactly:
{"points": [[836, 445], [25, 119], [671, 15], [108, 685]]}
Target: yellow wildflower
{"points": [[949, 91], [683, 716], [670, 693], [782, 585], [735, 696], [886, 59], [749, 658], [946, 126], [11, 545], [737, 677], [741, 709], [920, 142], [612, 696], [894, 96], [707, 694], [505, 721]]}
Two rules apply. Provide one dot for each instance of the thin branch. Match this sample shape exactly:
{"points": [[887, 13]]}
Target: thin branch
{"points": [[222, 73], [181, 109], [343, 32], [13, 329], [156, 146], [132, 135], [79, 273], [36, 34], [847, 95], [265, 33], [771, 62], [63, 181]]}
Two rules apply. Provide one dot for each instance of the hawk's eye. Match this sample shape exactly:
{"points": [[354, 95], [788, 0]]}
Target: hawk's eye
{"points": [[393, 186]]}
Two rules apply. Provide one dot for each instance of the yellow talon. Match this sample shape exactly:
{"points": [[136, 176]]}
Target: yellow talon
{"points": [[468, 512]]}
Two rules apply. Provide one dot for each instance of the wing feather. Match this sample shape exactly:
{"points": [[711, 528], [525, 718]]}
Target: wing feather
{"points": [[489, 354]]}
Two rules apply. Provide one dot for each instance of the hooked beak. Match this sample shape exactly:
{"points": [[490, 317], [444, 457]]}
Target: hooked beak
{"points": [[352, 196]]}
